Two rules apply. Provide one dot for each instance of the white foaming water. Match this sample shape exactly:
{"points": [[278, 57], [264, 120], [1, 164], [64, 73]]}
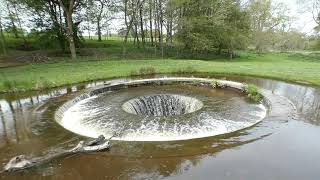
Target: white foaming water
{"points": [[74, 119], [218, 111]]}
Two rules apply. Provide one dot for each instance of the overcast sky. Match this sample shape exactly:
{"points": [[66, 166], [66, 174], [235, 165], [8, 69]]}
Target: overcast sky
{"points": [[303, 21]]}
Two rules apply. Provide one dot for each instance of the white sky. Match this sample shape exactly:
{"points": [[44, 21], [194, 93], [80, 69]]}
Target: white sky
{"points": [[302, 21]]}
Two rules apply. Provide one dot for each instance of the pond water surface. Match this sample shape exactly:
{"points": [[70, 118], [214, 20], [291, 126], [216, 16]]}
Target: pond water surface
{"points": [[280, 147]]}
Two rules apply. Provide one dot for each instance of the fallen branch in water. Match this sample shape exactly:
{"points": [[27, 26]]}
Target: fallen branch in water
{"points": [[22, 162]]}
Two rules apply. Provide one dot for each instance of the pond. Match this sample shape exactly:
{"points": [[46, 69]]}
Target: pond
{"points": [[282, 146]]}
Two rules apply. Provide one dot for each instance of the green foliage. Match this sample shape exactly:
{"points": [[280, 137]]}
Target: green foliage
{"points": [[253, 93], [268, 22], [225, 27], [47, 39], [215, 84]]}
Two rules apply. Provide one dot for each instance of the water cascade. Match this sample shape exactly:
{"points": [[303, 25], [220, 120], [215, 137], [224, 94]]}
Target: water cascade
{"points": [[163, 109], [162, 105]]}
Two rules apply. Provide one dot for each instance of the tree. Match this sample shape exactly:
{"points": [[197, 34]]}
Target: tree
{"points": [[170, 12], [99, 13], [236, 28], [69, 7], [151, 7], [141, 11], [12, 16], [316, 13], [205, 26], [49, 19], [129, 9], [266, 17], [2, 38], [312, 6]]}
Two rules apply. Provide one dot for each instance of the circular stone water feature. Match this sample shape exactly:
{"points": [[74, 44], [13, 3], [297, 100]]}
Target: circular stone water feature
{"points": [[165, 109]]}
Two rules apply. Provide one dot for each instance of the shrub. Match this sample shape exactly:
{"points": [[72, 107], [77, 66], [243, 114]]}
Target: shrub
{"points": [[215, 84], [253, 93]]}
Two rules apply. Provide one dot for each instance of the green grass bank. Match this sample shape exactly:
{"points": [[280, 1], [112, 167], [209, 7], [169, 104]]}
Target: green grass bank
{"points": [[282, 66]]}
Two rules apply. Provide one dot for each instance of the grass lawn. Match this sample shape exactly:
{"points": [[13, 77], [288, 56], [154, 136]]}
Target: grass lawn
{"points": [[289, 67]]}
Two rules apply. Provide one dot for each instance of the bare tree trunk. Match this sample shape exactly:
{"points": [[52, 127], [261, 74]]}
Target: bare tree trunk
{"points": [[136, 33], [158, 26], [3, 44], [161, 27], [169, 27], [220, 49], [150, 21], [56, 17], [156, 31], [141, 22], [71, 36], [89, 30], [231, 53], [19, 23], [61, 33], [128, 28], [68, 11], [99, 21], [88, 22], [99, 30], [14, 27]]}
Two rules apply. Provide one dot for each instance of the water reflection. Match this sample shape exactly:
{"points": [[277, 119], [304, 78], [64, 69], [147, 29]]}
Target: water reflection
{"points": [[306, 99], [161, 167], [27, 127]]}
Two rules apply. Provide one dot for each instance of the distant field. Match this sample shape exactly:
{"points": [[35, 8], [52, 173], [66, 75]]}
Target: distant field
{"points": [[283, 66], [36, 68]]}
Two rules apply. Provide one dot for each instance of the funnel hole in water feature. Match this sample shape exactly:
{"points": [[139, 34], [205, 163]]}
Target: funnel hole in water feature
{"points": [[162, 105]]}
